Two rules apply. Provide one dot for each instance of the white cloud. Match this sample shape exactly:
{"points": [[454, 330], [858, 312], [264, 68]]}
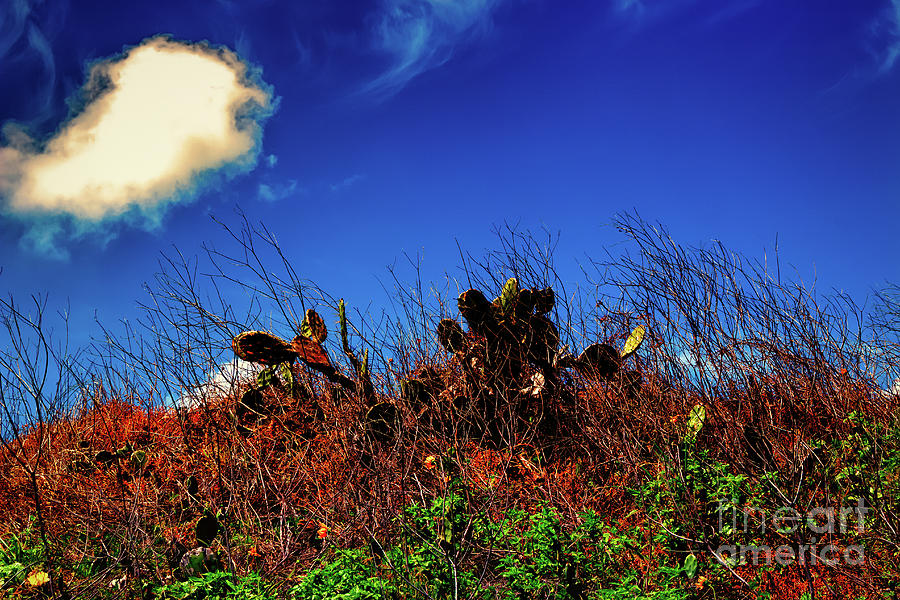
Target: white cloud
{"points": [[419, 35], [277, 191], [221, 382], [155, 121]]}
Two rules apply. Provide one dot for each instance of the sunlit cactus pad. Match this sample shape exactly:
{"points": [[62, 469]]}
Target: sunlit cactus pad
{"points": [[261, 347], [310, 352], [313, 326]]}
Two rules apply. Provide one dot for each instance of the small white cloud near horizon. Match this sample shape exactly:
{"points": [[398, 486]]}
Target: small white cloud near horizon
{"points": [[222, 381], [155, 121]]}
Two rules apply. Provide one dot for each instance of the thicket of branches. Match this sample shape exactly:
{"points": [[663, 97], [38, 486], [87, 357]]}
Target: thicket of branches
{"points": [[779, 369]]}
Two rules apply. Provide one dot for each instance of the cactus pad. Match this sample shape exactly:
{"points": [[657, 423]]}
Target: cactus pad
{"points": [[544, 339], [382, 421], [261, 347], [414, 391], [600, 360], [634, 341], [525, 303], [313, 326], [509, 295], [474, 307], [451, 335], [207, 529], [311, 352], [695, 422], [544, 300]]}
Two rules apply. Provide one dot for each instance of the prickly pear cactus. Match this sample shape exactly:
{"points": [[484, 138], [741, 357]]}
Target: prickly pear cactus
{"points": [[476, 310], [633, 342], [696, 420], [313, 327], [197, 561], [342, 320], [544, 340], [451, 335], [382, 422], [311, 352], [525, 302], [262, 347], [544, 300], [207, 529], [599, 360], [414, 391], [508, 295]]}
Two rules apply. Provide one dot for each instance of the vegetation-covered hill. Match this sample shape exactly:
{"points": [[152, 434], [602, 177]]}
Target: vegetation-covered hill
{"points": [[684, 426]]}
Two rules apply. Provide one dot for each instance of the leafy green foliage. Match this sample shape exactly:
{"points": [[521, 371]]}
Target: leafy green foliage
{"points": [[217, 586], [18, 555]]}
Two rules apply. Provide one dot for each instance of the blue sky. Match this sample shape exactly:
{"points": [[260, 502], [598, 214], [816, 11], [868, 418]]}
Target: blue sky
{"points": [[365, 130]]}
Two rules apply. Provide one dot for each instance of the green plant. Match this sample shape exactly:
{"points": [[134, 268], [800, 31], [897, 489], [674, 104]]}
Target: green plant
{"points": [[19, 554], [217, 586]]}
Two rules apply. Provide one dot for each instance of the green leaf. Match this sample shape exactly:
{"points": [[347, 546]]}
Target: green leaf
{"points": [[364, 367], [690, 566]]}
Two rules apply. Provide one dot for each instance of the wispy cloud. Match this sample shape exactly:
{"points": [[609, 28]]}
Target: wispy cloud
{"points": [[887, 27], [156, 123], [347, 182], [647, 12], [23, 42], [419, 35], [273, 192]]}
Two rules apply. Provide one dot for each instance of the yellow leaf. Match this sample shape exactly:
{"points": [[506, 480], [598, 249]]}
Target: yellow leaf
{"points": [[634, 340], [38, 578]]}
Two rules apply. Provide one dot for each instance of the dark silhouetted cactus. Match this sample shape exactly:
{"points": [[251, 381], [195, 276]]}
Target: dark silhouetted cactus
{"points": [[543, 341], [544, 300], [383, 422], [262, 347], [605, 362], [207, 529], [451, 336], [599, 360], [477, 311]]}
